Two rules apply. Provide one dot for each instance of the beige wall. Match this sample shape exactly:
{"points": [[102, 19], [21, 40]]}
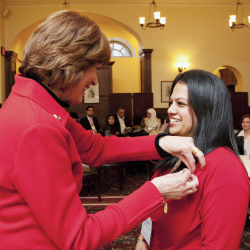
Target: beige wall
{"points": [[199, 35]]}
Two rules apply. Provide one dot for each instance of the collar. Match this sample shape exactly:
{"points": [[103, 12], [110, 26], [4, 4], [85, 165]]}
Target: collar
{"points": [[31, 89], [241, 133], [120, 117], [62, 103]]}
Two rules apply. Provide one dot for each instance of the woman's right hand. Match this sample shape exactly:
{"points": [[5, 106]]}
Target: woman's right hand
{"points": [[141, 245], [176, 186]]}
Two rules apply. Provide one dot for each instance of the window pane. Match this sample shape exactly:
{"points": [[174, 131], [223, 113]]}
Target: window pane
{"points": [[117, 46], [119, 49], [125, 52], [116, 53]]}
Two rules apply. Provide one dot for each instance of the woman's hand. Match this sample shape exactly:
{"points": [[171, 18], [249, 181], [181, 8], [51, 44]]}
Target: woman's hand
{"points": [[141, 245], [182, 148], [176, 186]]}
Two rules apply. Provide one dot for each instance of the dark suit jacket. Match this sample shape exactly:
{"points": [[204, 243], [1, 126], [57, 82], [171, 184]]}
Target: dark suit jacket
{"points": [[117, 123], [85, 123], [240, 142]]}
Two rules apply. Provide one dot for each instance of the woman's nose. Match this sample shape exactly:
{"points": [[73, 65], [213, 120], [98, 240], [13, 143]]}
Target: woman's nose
{"points": [[95, 81], [172, 109]]}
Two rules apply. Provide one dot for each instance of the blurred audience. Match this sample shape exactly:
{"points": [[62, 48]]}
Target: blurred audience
{"points": [[110, 128], [74, 115], [89, 122], [153, 124], [164, 125], [138, 124], [121, 122], [243, 137]]}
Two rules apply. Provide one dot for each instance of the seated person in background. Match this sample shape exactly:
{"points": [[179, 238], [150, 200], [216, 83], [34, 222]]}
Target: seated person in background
{"points": [[89, 122], [153, 124], [243, 137], [121, 122], [203, 220], [74, 115], [138, 124], [110, 129], [165, 125]]}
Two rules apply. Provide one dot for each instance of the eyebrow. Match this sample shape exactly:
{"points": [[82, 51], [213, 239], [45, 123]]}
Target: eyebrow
{"points": [[179, 99]]}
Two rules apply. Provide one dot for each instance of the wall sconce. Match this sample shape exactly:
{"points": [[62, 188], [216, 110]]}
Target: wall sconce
{"points": [[182, 66]]}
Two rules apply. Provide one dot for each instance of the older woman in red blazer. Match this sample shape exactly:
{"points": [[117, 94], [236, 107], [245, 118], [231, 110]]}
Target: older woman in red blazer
{"points": [[42, 148]]}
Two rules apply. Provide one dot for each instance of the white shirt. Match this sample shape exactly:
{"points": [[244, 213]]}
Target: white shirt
{"points": [[91, 122], [246, 143], [122, 123]]}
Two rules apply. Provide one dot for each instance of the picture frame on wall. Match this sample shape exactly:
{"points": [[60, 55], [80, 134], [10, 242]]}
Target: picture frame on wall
{"points": [[165, 90], [92, 94]]}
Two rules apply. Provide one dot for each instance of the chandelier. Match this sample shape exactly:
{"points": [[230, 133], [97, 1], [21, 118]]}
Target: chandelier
{"points": [[233, 23], [65, 6], [159, 21]]}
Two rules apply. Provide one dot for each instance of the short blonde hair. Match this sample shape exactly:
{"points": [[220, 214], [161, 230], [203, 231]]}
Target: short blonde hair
{"points": [[61, 47]]}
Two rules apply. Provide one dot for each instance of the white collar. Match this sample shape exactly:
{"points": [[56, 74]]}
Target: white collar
{"points": [[121, 118], [241, 133]]}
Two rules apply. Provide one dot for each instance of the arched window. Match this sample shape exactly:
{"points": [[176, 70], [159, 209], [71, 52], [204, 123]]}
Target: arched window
{"points": [[121, 48]]}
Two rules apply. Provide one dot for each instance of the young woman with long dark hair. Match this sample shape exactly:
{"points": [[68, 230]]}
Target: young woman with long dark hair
{"points": [[110, 129], [213, 217]]}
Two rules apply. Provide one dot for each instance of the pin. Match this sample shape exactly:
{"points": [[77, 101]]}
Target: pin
{"points": [[165, 207]]}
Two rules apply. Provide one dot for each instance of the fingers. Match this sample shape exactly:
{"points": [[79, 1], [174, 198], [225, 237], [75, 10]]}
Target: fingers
{"points": [[182, 148], [201, 158], [189, 161]]}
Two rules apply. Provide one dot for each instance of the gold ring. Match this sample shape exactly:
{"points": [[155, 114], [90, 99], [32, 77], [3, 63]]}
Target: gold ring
{"points": [[195, 150]]}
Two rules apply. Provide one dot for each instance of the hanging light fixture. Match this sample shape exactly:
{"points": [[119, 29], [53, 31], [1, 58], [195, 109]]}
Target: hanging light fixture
{"points": [[234, 19], [159, 21], [65, 6]]}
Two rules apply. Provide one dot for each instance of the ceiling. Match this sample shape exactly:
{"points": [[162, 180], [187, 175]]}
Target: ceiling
{"points": [[172, 2]]}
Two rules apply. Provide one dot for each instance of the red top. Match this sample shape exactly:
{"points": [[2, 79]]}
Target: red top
{"points": [[41, 153], [214, 216]]}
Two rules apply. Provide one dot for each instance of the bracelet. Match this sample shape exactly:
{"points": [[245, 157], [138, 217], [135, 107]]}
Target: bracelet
{"points": [[138, 240]]}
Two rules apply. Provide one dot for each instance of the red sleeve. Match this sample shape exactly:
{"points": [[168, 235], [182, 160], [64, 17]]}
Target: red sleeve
{"points": [[224, 204], [95, 150], [44, 178]]}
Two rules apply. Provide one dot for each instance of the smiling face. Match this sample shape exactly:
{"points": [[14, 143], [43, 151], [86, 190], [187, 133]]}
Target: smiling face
{"points": [[246, 123], [181, 122], [74, 94]]}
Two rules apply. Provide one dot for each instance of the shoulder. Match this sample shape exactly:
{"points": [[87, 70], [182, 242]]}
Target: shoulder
{"points": [[240, 134], [84, 119], [222, 156], [223, 166]]}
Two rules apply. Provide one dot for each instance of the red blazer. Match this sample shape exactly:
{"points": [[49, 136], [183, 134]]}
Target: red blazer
{"points": [[41, 153]]}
